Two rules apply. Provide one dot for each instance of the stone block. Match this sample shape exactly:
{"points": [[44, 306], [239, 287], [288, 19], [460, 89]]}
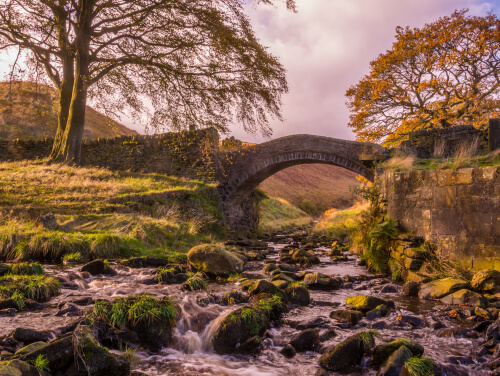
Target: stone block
{"points": [[489, 172], [464, 176], [444, 177], [445, 197], [412, 263]]}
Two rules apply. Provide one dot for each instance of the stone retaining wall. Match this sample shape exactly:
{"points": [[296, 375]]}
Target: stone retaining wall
{"points": [[458, 211]]}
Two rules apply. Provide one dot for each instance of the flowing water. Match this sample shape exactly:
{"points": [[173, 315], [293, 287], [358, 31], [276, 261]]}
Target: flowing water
{"points": [[191, 351]]}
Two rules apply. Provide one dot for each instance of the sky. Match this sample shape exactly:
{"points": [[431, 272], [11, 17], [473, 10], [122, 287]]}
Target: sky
{"points": [[326, 47]]}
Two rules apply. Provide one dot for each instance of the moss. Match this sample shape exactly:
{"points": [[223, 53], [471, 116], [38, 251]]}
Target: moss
{"points": [[36, 287], [366, 302], [24, 268], [419, 366], [383, 351]]}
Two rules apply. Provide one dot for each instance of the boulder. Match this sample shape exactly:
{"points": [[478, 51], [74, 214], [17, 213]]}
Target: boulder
{"points": [[269, 268], [410, 288], [264, 286], [465, 297], [441, 287], [215, 260], [302, 256], [58, 352], [347, 353], [30, 348], [383, 351], [280, 284], [95, 267], [288, 351], [394, 364], [28, 336], [416, 253], [298, 295], [347, 316], [93, 359], [305, 340], [282, 277], [486, 281], [17, 368], [319, 281], [367, 302], [411, 276]]}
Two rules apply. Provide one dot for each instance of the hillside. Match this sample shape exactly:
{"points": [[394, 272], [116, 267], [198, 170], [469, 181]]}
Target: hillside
{"points": [[28, 110], [324, 186]]}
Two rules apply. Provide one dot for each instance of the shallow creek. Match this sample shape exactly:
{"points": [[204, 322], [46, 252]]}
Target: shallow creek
{"points": [[191, 351]]}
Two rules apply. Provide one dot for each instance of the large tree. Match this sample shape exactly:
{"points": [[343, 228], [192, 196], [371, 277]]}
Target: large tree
{"points": [[193, 62], [445, 73]]}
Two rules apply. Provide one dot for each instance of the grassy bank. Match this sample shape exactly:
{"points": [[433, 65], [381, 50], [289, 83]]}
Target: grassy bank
{"points": [[339, 224], [278, 215], [101, 213]]}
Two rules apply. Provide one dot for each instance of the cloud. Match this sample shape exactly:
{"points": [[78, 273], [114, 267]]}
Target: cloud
{"points": [[326, 47]]}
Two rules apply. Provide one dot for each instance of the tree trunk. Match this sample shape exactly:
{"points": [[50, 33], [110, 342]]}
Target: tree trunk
{"points": [[65, 94]]}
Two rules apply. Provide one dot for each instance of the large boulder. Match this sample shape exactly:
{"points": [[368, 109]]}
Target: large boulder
{"points": [[465, 297], [347, 353], [394, 364], [347, 316], [384, 351], [298, 295], [58, 353], [319, 281], [17, 368], [486, 281], [306, 340], [441, 287], [367, 302], [28, 336], [215, 260]]}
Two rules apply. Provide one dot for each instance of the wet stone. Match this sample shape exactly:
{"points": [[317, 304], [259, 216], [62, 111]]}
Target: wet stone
{"points": [[394, 364], [410, 289], [306, 340], [347, 316], [288, 351]]}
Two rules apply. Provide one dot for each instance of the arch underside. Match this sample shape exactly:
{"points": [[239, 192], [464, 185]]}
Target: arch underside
{"points": [[249, 179]]}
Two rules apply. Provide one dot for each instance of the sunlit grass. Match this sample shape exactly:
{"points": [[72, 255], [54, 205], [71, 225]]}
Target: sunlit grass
{"points": [[278, 215], [339, 224]]}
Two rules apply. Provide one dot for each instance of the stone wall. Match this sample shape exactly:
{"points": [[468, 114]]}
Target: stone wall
{"points": [[447, 142], [458, 211], [190, 154]]}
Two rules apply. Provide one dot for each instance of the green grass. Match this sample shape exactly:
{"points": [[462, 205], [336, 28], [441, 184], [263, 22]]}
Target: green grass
{"points": [[102, 213], [339, 224], [42, 363], [36, 287], [72, 257], [195, 283], [278, 215], [25, 268], [420, 366], [132, 310]]}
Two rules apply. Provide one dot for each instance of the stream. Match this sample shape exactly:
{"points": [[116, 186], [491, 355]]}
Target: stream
{"points": [[191, 351]]}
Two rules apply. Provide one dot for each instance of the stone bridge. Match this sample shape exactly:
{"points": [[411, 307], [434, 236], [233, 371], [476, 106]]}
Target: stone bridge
{"points": [[242, 171]]}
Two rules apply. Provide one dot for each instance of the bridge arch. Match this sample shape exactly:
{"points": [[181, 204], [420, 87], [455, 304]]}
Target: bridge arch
{"points": [[252, 166]]}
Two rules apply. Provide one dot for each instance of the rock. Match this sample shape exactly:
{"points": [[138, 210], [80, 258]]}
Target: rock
{"points": [[408, 321], [288, 351], [441, 287], [487, 314], [456, 333], [282, 285], [348, 278], [282, 277], [347, 316], [269, 268], [7, 312], [465, 297], [374, 314], [58, 352], [214, 260], [346, 354], [17, 368], [410, 288], [367, 302], [95, 267], [390, 288], [298, 295], [394, 364], [319, 281], [383, 351], [486, 281], [493, 331], [413, 264], [411, 276], [301, 256], [335, 252], [314, 323], [28, 336], [264, 286], [4, 269], [328, 335], [305, 340], [416, 253], [250, 346], [98, 360], [30, 348]]}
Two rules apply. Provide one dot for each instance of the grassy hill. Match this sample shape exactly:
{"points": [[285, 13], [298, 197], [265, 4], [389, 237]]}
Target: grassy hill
{"points": [[314, 188], [28, 110]]}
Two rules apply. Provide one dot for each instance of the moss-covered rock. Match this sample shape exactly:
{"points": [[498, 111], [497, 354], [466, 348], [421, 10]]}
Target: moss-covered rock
{"points": [[411, 276], [367, 302], [465, 297], [30, 348], [319, 281], [347, 316], [383, 351], [282, 285], [264, 286], [282, 277], [416, 253], [347, 353], [394, 364], [298, 295], [486, 281], [215, 260], [245, 323], [441, 287], [58, 353], [17, 368], [94, 360]]}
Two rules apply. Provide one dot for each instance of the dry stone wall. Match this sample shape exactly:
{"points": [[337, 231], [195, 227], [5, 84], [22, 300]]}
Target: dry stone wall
{"points": [[190, 154], [458, 211]]}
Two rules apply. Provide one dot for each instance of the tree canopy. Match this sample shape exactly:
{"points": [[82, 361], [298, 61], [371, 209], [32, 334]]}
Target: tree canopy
{"points": [[445, 73], [183, 62]]}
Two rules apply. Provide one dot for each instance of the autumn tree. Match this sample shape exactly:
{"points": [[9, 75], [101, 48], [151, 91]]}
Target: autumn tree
{"points": [[445, 73], [183, 62]]}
